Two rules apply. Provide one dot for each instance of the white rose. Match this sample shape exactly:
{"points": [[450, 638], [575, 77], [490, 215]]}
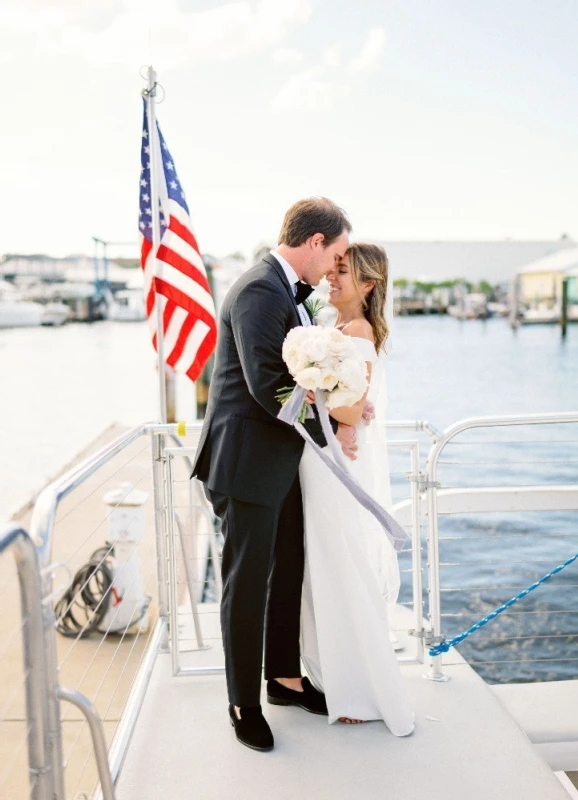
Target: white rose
{"points": [[293, 350], [329, 362], [316, 348], [309, 378], [293, 339], [352, 373], [296, 363], [298, 333], [337, 340], [329, 379], [295, 359], [342, 397]]}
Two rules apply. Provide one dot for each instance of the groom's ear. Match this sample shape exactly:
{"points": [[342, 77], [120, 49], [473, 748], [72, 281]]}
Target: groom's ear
{"points": [[317, 240]]}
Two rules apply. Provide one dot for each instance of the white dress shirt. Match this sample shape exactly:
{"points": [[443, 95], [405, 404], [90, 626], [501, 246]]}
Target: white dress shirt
{"points": [[293, 279]]}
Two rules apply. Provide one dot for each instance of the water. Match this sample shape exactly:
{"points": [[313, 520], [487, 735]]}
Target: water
{"points": [[444, 370], [61, 388]]}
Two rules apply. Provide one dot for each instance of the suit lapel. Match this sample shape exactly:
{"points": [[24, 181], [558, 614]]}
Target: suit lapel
{"points": [[272, 261]]}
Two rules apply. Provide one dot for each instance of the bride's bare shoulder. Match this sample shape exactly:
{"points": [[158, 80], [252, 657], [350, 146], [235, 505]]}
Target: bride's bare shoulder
{"points": [[360, 328]]}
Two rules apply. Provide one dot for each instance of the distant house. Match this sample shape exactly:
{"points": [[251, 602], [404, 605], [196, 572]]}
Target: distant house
{"points": [[540, 282]]}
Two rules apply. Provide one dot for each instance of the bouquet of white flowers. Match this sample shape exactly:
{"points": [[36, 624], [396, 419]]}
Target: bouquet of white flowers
{"points": [[325, 359]]}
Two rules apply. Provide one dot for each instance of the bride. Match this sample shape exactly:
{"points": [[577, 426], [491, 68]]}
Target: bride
{"points": [[351, 573]]}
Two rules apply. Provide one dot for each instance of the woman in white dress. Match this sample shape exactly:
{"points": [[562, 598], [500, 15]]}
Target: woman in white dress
{"points": [[351, 573]]}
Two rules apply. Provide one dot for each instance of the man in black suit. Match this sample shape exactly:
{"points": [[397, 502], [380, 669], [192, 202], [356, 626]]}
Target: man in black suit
{"points": [[248, 461]]}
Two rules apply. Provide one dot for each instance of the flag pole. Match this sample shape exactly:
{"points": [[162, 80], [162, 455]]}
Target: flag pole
{"points": [[159, 299]]}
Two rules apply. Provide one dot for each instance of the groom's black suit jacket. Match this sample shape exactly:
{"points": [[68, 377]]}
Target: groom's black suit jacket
{"points": [[244, 451]]}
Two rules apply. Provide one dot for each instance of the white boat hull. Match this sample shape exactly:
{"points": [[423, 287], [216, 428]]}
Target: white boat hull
{"points": [[55, 314], [20, 314]]}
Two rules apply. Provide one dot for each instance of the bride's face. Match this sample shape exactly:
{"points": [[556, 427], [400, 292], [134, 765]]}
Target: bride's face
{"points": [[342, 291]]}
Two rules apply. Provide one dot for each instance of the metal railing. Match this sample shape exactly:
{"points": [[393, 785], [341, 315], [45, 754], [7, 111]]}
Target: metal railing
{"points": [[410, 510], [14, 539], [65, 525], [115, 656], [202, 531], [483, 499], [184, 542]]}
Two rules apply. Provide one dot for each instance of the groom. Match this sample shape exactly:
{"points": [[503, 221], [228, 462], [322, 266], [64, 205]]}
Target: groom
{"points": [[248, 461]]}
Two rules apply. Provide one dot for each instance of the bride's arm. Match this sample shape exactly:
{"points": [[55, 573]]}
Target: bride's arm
{"points": [[351, 415]]}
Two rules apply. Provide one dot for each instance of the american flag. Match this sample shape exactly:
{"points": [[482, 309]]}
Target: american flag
{"points": [[189, 319]]}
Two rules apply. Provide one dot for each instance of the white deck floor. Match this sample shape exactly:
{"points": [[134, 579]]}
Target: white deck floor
{"points": [[465, 747]]}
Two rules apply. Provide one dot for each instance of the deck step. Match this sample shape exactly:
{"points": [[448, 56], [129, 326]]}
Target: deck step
{"points": [[546, 712]]}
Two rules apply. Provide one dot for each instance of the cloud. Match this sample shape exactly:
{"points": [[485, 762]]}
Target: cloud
{"points": [[332, 56], [119, 31], [369, 57], [320, 87], [310, 89], [286, 55]]}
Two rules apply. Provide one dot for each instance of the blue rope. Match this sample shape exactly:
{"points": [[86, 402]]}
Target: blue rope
{"points": [[443, 647]]}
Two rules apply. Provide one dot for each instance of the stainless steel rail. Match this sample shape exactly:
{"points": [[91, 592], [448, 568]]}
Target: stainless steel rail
{"points": [[97, 734], [16, 540], [42, 686], [432, 487], [42, 533]]}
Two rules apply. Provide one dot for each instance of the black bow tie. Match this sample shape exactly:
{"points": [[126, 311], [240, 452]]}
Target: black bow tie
{"points": [[303, 292]]}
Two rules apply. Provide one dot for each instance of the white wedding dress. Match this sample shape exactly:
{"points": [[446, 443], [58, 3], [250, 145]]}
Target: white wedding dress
{"points": [[351, 576]]}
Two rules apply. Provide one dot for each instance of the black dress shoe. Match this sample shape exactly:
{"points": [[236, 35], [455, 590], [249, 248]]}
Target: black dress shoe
{"points": [[252, 729], [309, 699]]}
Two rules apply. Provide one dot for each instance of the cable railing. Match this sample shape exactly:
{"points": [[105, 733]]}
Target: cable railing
{"points": [[86, 729], [525, 507], [96, 524]]}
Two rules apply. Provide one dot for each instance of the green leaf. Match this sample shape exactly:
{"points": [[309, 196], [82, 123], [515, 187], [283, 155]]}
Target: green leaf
{"points": [[314, 306]]}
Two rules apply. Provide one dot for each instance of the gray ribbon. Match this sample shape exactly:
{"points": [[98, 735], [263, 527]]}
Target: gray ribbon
{"points": [[290, 410], [289, 413]]}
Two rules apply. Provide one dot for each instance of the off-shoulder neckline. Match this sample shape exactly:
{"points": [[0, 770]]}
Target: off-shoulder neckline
{"points": [[362, 339]]}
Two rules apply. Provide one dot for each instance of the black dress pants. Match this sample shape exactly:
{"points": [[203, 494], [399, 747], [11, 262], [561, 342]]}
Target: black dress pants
{"points": [[262, 570]]}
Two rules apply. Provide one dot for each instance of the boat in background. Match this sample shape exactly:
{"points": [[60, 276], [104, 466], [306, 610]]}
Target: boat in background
{"points": [[127, 306], [55, 314], [471, 306], [15, 312]]}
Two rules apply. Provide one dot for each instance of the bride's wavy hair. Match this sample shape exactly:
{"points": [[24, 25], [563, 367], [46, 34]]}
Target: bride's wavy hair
{"points": [[369, 263]]}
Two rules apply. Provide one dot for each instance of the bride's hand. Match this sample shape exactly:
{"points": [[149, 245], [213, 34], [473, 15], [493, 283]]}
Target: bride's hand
{"points": [[310, 397], [368, 413], [347, 438]]}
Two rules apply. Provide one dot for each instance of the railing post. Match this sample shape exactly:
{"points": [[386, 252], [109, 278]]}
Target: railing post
{"points": [[17, 539], [160, 506], [52, 683], [435, 672], [416, 552]]}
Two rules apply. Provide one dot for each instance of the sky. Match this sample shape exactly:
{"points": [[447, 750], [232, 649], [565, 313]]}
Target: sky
{"points": [[450, 119]]}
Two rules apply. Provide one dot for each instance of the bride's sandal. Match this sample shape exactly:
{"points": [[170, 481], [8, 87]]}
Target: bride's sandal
{"points": [[349, 721]]}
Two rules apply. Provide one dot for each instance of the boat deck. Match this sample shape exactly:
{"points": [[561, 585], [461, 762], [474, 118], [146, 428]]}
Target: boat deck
{"points": [[465, 745]]}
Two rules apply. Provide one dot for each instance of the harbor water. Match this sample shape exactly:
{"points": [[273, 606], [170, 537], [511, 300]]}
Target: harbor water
{"points": [[61, 387]]}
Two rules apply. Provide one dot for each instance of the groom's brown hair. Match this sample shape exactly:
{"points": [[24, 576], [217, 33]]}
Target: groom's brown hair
{"points": [[313, 215]]}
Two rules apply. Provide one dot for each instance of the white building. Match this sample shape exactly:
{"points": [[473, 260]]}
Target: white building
{"points": [[495, 262]]}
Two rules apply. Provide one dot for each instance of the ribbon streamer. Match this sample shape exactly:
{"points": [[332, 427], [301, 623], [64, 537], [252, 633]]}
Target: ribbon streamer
{"points": [[289, 413], [290, 410]]}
